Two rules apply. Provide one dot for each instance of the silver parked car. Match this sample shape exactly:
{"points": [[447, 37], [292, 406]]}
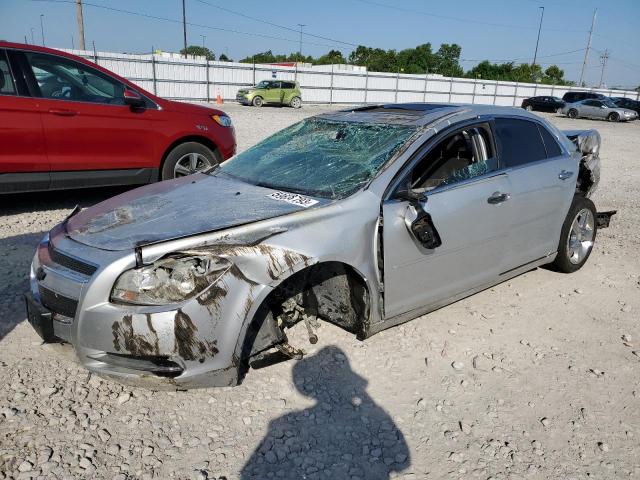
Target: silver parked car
{"points": [[364, 218], [603, 109]]}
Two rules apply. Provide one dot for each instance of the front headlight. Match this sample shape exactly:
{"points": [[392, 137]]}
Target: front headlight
{"points": [[223, 120], [170, 280]]}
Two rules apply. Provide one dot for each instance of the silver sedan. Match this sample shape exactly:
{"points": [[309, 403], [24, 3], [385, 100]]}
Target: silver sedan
{"points": [[600, 109], [363, 218]]}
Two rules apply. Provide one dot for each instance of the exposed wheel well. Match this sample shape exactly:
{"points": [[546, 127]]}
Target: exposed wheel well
{"points": [[191, 138], [331, 291]]}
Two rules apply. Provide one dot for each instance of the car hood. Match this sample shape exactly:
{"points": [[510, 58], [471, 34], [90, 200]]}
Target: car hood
{"points": [[178, 208]]}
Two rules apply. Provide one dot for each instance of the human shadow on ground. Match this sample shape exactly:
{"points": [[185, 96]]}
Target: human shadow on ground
{"points": [[344, 435]]}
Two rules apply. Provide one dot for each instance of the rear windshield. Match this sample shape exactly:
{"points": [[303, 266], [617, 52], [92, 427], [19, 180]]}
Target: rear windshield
{"points": [[319, 157]]}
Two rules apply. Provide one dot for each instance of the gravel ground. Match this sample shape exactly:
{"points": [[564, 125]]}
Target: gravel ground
{"points": [[534, 378]]}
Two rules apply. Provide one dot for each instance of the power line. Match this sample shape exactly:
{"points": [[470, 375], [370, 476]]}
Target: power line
{"points": [[266, 22], [460, 19], [173, 20], [520, 58]]}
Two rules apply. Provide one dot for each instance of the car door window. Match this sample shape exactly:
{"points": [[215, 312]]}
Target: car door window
{"points": [[520, 141], [65, 79], [7, 87], [462, 155], [550, 143]]}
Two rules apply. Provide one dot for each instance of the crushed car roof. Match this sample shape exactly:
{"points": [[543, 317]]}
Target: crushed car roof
{"points": [[414, 114]]}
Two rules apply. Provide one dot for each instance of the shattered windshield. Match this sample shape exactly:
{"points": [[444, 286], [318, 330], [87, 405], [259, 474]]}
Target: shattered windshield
{"points": [[319, 157]]}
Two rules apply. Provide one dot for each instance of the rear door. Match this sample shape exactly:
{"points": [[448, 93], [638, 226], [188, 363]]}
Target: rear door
{"points": [[272, 95], [468, 203], [543, 184], [23, 160], [86, 122], [591, 108]]}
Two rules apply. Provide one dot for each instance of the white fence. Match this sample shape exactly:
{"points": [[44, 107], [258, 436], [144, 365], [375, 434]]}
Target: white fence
{"points": [[192, 79]]}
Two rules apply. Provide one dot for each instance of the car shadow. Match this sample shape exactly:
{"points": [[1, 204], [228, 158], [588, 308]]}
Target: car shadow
{"points": [[18, 250], [344, 435]]}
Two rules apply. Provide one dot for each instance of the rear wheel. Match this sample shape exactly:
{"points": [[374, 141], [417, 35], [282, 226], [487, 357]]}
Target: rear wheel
{"points": [[573, 113], [257, 102], [613, 117], [528, 108], [188, 158], [296, 102], [559, 110], [577, 236]]}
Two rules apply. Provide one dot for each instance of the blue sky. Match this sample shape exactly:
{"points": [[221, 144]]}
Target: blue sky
{"points": [[491, 29]]}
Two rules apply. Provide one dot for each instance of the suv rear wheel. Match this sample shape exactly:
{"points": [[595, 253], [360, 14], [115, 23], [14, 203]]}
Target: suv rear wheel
{"points": [[188, 158], [296, 102], [577, 236]]}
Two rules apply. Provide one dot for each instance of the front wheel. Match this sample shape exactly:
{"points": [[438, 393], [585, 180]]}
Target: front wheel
{"points": [[296, 102], [613, 117], [188, 158], [577, 236], [257, 102]]}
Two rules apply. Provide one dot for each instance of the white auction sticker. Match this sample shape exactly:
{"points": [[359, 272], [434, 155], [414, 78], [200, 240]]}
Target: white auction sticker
{"points": [[293, 198]]}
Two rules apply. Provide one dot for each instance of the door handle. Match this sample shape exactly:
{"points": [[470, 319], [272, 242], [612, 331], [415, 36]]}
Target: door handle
{"points": [[564, 174], [63, 112], [498, 197]]}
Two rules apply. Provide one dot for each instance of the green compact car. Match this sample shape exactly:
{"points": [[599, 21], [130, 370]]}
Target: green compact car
{"points": [[271, 91]]}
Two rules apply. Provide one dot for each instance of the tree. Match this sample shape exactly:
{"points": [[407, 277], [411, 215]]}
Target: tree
{"points": [[554, 74], [334, 57], [198, 51], [448, 60], [224, 58]]}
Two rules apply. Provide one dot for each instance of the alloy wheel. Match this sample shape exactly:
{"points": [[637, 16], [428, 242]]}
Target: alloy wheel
{"points": [[190, 163], [580, 239]]}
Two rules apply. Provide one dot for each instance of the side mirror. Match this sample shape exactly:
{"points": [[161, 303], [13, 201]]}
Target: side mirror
{"points": [[133, 99]]}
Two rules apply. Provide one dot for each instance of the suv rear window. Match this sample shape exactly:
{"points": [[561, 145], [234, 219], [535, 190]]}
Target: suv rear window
{"points": [[288, 85], [520, 141]]}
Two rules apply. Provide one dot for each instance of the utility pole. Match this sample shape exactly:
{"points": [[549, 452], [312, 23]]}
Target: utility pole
{"points": [[535, 55], [33, 38], [184, 27], [300, 48], [603, 59], [80, 20], [42, 27], [203, 37], [586, 53], [73, 46]]}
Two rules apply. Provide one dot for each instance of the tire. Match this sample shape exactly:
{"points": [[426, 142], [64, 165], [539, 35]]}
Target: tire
{"points": [[577, 236], [257, 102], [559, 110], [528, 108], [296, 102], [181, 160], [573, 113], [613, 117]]}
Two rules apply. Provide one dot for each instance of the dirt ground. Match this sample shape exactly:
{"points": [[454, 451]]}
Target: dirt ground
{"points": [[536, 378]]}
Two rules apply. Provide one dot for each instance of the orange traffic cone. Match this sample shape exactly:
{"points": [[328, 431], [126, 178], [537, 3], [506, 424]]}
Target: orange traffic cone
{"points": [[218, 99]]}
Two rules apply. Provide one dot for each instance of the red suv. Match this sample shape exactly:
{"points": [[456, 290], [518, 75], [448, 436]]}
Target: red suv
{"points": [[68, 123]]}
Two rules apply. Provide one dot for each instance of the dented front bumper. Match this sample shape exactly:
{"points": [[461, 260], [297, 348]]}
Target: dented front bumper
{"points": [[189, 345]]}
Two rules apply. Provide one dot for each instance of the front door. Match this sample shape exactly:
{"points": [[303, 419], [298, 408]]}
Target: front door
{"points": [[86, 122], [22, 144], [272, 95], [466, 195]]}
